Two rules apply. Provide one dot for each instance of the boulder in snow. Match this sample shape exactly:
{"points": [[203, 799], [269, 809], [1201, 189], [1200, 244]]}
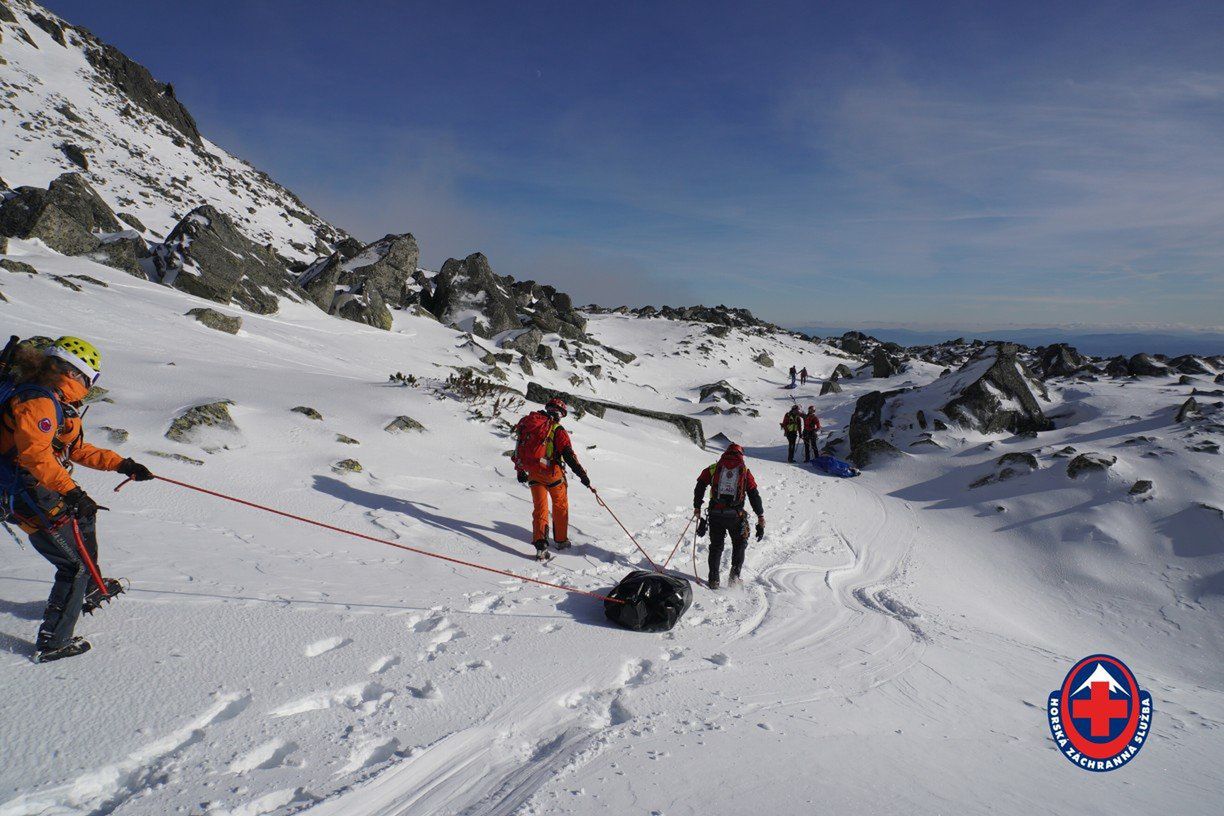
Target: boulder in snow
{"points": [[203, 424], [402, 424], [230, 324], [67, 216], [1090, 463]]}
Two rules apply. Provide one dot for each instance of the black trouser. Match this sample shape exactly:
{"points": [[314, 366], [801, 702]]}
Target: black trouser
{"points": [[58, 545], [791, 439], [720, 526], [810, 449]]}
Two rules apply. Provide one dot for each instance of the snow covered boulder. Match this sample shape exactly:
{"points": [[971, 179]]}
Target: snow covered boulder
{"points": [[830, 387], [884, 364], [1000, 395], [1008, 466], [67, 216], [525, 342], [208, 256], [722, 390], [1090, 463], [208, 426]]}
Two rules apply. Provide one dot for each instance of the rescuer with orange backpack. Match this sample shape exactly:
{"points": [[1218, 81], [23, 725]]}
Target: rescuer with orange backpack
{"points": [[540, 456]]}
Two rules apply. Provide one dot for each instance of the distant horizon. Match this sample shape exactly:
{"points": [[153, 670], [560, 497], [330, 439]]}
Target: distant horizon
{"points": [[1098, 342]]}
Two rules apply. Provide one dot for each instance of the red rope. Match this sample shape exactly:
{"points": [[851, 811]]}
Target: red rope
{"points": [[334, 529], [604, 505], [679, 541]]}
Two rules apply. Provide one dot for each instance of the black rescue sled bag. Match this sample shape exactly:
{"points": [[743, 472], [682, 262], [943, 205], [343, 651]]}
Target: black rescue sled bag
{"points": [[652, 602]]}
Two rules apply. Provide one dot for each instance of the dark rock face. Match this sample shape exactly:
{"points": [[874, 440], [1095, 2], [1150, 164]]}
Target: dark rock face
{"points": [[123, 252], [75, 154], [386, 267], [867, 419], [65, 216], [207, 256], [1142, 365], [402, 424], [469, 295], [830, 387], [1141, 487], [1188, 410], [1117, 367], [527, 343], [1061, 360], [884, 364], [690, 427], [843, 371], [1002, 399], [544, 356], [1008, 466], [1189, 364], [138, 85], [625, 357], [1090, 463], [230, 324]]}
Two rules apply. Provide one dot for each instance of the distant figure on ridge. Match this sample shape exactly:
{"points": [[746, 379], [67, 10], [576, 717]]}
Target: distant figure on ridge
{"points": [[811, 434], [41, 437], [791, 423], [729, 482], [540, 456], [792, 376], [803, 375]]}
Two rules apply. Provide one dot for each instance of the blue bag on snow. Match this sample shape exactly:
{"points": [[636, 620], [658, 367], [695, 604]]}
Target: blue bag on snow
{"points": [[835, 467]]}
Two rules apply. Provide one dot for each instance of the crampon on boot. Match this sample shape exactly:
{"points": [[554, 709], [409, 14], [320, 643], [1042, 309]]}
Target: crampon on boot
{"points": [[94, 597], [542, 553], [74, 647]]}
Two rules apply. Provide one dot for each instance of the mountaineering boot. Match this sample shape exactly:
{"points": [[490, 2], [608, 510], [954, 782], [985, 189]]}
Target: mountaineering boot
{"points": [[94, 597], [74, 647], [713, 582], [542, 553], [561, 545], [734, 580]]}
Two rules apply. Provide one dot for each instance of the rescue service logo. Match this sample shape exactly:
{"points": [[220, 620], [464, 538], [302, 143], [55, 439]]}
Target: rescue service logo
{"points": [[1100, 717], [44, 425]]}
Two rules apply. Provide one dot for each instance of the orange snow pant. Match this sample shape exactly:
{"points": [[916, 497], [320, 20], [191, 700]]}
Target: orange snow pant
{"points": [[541, 494]]}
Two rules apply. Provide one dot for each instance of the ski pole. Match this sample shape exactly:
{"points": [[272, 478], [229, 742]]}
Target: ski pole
{"points": [[89, 562], [605, 506]]}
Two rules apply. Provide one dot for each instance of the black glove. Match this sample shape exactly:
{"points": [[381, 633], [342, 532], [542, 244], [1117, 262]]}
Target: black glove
{"points": [[522, 477], [585, 479], [703, 527], [137, 471], [77, 504], [760, 530]]}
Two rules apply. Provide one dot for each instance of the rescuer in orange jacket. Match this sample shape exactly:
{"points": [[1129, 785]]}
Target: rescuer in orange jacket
{"points": [[540, 456], [41, 438]]}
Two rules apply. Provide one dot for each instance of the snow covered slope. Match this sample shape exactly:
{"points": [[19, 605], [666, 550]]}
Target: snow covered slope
{"points": [[66, 94], [891, 650]]}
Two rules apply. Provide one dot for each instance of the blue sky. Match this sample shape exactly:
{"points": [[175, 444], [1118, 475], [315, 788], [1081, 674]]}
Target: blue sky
{"points": [[922, 163]]}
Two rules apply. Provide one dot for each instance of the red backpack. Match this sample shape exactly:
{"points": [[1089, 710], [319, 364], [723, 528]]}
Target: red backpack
{"points": [[534, 449]]}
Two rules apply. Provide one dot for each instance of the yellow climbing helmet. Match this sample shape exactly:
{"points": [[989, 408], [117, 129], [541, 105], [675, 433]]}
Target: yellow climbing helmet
{"points": [[80, 354]]}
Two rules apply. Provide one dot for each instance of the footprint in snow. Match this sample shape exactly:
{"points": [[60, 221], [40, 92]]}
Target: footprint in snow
{"points": [[384, 663], [549, 628], [324, 646], [272, 754]]}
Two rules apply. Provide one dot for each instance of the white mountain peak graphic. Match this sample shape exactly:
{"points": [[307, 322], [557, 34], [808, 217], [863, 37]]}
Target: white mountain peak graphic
{"points": [[1101, 675]]}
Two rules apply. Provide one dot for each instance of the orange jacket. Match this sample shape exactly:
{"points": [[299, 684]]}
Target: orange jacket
{"points": [[44, 451]]}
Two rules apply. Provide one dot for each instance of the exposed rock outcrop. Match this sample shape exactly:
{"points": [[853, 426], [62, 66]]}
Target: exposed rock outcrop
{"points": [[230, 324], [1061, 360], [1090, 463], [689, 426], [208, 256], [68, 216], [1002, 398], [1142, 365]]}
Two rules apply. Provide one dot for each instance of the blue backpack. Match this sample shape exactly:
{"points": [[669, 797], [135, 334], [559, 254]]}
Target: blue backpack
{"points": [[11, 476]]}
